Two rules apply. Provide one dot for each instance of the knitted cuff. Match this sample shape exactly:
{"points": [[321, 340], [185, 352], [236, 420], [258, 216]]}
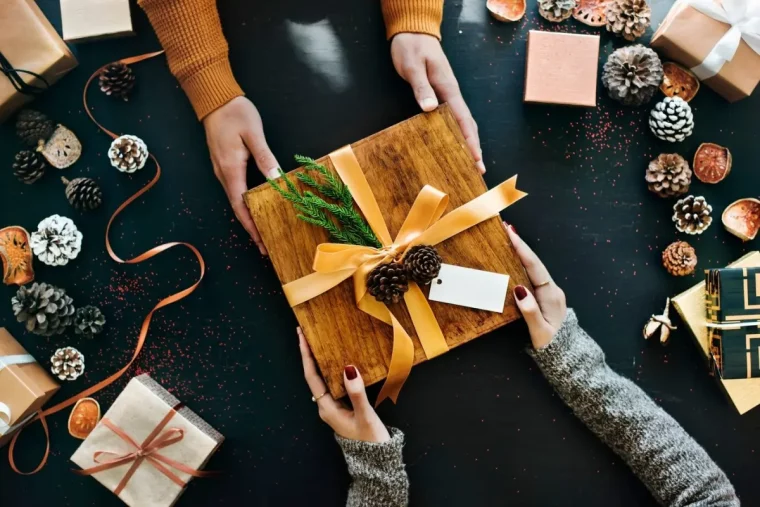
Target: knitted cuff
{"points": [[372, 458], [563, 347], [417, 16], [211, 87]]}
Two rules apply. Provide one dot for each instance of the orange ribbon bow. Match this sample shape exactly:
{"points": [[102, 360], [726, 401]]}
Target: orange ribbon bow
{"points": [[424, 225]]}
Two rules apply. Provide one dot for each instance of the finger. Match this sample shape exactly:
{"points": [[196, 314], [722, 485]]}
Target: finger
{"points": [[265, 160], [416, 75], [317, 386], [356, 391], [536, 270], [236, 186], [541, 332]]}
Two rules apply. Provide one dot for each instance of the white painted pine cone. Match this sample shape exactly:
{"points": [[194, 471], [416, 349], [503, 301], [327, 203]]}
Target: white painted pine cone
{"points": [[128, 153], [56, 241]]}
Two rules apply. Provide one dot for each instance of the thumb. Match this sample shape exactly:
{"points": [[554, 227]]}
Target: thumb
{"points": [[423, 92], [355, 389], [257, 144], [541, 332]]}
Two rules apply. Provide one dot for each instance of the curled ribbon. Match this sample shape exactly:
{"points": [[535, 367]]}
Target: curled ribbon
{"points": [[14, 76], [425, 224]]}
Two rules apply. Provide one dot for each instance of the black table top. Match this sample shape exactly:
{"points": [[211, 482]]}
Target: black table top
{"points": [[482, 425]]}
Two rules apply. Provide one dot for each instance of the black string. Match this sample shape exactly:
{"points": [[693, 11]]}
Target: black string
{"points": [[16, 80]]}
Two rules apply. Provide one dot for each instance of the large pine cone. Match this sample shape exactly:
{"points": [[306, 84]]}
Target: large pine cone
{"points": [[89, 321], [669, 175], [67, 363], [679, 258], [628, 18], [422, 264], [45, 309], [117, 80], [33, 127], [84, 194], [388, 282], [672, 120], [128, 153], [632, 75], [28, 166], [556, 10], [692, 215]]}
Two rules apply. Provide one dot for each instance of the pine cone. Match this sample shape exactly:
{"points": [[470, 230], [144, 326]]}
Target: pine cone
{"points": [[632, 75], [679, 258], [628, 19], [556, 10], [28, 166], [67, 363], [669, 175], [671, 120], [692, 215], [128, 153], [33, 127], [422, 264], [117, 80], [45, 309], [387, 282], [84, 194], [89, 321], [56, 241]]}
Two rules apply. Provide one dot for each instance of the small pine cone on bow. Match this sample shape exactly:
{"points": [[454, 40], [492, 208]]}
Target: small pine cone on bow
{"points": [[669, 175], [388, 282], [556, 10], [628, 19], [632, 75], [33, 127], [56, 241], [28, 166], [89, 321], [128, 153], [679, 258], [692, 215], [117, 80], [67, 363], [84, 194], [422, 264], [46, 310]]}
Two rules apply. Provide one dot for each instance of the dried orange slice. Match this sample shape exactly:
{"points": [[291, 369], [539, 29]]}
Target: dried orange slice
{"points": [[506, 10], [84, 417], [712, 163], [591, 12], [679, 82], [742, 218], [16, 255]]}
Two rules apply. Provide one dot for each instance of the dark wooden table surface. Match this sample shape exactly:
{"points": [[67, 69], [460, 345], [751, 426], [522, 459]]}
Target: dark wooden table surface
{"points": [[482, 425]]}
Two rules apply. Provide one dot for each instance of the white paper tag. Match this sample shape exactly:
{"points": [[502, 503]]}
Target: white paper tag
{"points": [[472, 288]]}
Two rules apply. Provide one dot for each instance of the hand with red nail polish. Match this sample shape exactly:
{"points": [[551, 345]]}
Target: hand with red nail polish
{"points": [[358, 422], [545, 311]]}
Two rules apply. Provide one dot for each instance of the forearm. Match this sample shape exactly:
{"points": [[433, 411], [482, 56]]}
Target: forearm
{"points": [[671, 464], [416, 16], [377, 471], [197, 52]]}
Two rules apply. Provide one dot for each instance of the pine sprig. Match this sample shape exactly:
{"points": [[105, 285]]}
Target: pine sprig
{"points": [[335, 189], [350, 219]]}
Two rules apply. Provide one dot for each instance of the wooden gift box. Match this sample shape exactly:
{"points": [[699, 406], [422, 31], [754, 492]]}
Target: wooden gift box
{"points": [[397, 162]]}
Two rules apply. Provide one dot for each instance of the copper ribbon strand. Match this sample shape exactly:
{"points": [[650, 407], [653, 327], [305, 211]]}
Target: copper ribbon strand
{"points": [[135, 260]]}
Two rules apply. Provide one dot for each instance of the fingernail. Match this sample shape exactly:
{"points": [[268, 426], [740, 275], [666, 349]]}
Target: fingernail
{"points": [[350, 372], [520, 292], [428, 104], [481, 166], [273, 174], [512, 228]]}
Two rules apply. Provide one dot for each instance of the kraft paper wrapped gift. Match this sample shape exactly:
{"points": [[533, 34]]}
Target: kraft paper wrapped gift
{"points": [[84, 20], [28, 42], [147, 414], [25, 386], [695, 35], [561, 68]]}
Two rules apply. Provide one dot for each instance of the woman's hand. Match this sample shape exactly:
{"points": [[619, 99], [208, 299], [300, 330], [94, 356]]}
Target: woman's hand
{"points": [[234, 132], [420, 60], [361, 423], [545, 312]]}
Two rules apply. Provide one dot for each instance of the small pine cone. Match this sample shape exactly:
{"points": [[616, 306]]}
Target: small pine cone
{"points": [[89, 321], [45, 309], [128, 153], [628, 19], [84, 194], [388, 283], [422, 264], [56, 241], [67, 363], [679, 258], [556, 10], [692, 215], [632, 75], [33, 127], [28, 166], [117, 80], [669, 175], [672, 120]]}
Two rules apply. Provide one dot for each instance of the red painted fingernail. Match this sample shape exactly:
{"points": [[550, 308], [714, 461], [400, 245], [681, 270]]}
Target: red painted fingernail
{"points": [[350, 372], [520, 292], [512, 227]]}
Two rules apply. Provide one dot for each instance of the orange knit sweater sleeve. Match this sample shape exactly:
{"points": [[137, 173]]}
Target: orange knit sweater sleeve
{"points": [[191, 34]]}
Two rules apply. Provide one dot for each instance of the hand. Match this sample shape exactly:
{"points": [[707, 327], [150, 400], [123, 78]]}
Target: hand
{"points": [[545, 312], [233, 133], [420, 60], [361, 423]]}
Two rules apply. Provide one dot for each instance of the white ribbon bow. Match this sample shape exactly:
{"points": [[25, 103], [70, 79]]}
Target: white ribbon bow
{"points": [[744, 18], [5, 410]]}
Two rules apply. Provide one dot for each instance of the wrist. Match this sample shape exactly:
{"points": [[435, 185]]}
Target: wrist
{"points": [[424, 18]]}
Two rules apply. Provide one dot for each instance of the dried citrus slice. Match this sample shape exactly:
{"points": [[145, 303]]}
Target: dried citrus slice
{"points": [[712, 163], [84, 417], [742, 218], [506, 10], [679, 82], [16, 255], [591, 12]]}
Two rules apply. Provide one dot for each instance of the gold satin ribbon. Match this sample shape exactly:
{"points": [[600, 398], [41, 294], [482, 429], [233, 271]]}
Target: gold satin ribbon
{"points": [[424, 225]]}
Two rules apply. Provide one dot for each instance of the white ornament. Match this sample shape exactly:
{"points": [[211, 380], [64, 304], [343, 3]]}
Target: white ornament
{"points": [[128, 153], [56, 241], [672, 120]]}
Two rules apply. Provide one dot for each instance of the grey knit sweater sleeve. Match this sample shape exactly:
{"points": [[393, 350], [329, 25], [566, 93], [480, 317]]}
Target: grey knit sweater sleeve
{"points": [[378, 476], [671, 464]]}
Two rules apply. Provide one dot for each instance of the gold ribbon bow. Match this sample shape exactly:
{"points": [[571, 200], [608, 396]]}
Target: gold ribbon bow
{"points": [[424, 225]]}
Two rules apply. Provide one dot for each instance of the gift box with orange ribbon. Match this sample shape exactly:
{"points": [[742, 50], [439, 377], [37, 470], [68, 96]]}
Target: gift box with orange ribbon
{"points": [[415, 184], [148, 446]]}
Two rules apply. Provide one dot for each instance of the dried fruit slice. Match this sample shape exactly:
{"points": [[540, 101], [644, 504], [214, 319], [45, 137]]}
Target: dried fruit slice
{"points": [[679, 82], [742, 218], [591, 12], [62, 149], [712, 163], [16, 255], [506, 10], [83, 418]]}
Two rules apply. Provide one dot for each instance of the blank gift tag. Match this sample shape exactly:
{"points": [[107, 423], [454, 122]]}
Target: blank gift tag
{"points": [[472, 288]]}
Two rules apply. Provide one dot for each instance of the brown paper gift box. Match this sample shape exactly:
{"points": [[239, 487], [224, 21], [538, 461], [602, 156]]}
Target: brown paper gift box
{"points": [[29, 42], [690, 304], [137, 411], [687, 36], [397, 162], [24, 388]]}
